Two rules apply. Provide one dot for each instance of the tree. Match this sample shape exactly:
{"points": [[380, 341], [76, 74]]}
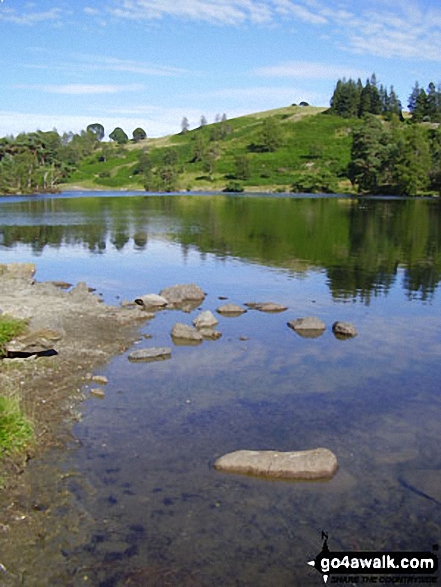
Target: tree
{"points": [[185, 125], [414, 162], [97, 129], [171, 157], [271, 134], [200, 149], [139, 134], [369, 155], [242, 167], [119, 136], [203, 121]]}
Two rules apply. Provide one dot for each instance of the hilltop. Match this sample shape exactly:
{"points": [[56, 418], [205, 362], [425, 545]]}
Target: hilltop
{"points": [[301, 146]]}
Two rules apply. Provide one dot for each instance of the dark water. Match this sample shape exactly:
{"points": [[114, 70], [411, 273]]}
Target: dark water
{"points": [[158, 513]]}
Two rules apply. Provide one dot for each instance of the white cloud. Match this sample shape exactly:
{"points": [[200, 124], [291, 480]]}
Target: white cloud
{"points": [[29, 18], [81, 89], [405, 29], [309, 70]]}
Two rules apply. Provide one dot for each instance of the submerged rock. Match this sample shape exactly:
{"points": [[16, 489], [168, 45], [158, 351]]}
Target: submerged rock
{"points": [[150, 354], [344, 330], [266, 306], [180, 293], [231, 310], [308, 327], [97, 392], [186, 332], [205, 319], [319, 463]]}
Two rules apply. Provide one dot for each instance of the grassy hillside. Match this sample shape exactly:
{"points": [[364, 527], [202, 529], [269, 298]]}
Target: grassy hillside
{"points": [[313, 155]]}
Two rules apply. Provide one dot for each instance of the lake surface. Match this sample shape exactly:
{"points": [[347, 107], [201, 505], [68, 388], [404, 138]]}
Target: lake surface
{"points": [[157, 512]]}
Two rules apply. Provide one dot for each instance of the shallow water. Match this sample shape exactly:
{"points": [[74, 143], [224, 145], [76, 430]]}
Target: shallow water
{"points": [[158, 514]]}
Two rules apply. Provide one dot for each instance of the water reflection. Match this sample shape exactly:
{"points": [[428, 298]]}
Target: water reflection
{"points": [[360, 243]]}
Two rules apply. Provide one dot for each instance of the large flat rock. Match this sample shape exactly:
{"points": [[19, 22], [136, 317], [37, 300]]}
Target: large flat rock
{"points": [[150, 354], [318, 463]]}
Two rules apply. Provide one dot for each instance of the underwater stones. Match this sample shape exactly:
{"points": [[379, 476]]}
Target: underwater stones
{"points": [[185, 332], [308, 327], [97, 392], [205, 319], [151, 354], [151, 301], [318, 463], [344, 330], [180, 293], [230, 310], [266, 306]]}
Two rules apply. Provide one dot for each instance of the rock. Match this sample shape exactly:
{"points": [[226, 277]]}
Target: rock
{"points": [[243, 338], [319, 463], [269, 307], [230, 310], [150, 354], [40, 342], [309, 327], [186, 332], [97, 392], [151, 301], [344, 330], [127, 304], [99, 379], [61, 284], [80, 291], [205, 320], [210, 333], [178, 294], [18, 270]]}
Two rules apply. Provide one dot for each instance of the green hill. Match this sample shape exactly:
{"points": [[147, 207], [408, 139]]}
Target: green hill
{"points": [[311, 152]]}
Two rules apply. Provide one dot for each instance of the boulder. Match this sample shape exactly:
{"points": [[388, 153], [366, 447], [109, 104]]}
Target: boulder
{"points": [[309, 327], [231, 310], [319, 463], [186, 332], [205, 319], [178, 294], [151, 301], [150, 354], [344, 330], [210, 333]]}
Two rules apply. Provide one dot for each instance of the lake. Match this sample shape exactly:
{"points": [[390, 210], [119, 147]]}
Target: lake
{"points": [[153, 509]]}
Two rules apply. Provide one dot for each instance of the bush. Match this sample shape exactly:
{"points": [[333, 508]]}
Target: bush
{"points": [[234, 187]]}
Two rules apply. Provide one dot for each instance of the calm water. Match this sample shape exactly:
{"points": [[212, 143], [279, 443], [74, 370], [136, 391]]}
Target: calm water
{"points": [[158, 514]]}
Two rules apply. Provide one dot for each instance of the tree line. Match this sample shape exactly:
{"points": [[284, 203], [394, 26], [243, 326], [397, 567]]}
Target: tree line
{"points": [[353, 99]]}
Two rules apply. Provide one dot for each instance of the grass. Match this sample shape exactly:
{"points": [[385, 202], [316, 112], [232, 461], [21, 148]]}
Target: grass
{"points": [[16, 431], [9, 328], [315, 143]]}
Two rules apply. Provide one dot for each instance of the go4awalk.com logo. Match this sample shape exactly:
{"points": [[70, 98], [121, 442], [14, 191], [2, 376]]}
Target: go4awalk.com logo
{"points": [[407, 568]]}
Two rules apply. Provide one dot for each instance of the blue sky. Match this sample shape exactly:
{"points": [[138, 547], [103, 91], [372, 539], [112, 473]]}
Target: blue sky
{"points": [[149, 63]]}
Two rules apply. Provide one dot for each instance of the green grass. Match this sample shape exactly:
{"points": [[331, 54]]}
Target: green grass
{"points": [[314, 143], [9, 328], [16, 431]]}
